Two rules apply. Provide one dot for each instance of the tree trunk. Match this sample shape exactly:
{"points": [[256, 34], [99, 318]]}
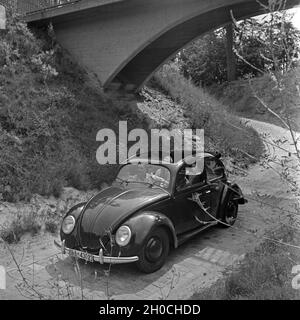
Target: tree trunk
{"points": [[231, 63], [2, 18]]}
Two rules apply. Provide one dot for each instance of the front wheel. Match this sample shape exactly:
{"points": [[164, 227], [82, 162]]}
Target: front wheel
{"points": [[230, 212], [154, 251]]}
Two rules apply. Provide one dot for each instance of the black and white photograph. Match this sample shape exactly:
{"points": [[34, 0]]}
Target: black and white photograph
{"points": [[149, 151]]}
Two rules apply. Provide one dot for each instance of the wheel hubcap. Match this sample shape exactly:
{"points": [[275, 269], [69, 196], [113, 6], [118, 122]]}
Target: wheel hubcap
{"points": [[154, 249]]}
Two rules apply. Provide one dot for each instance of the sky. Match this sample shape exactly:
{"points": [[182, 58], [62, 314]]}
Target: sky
{"points": [[296, 18]]}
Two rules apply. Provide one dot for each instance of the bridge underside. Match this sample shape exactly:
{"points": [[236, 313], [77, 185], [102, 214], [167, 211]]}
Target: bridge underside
{"points": [[127, 41]]}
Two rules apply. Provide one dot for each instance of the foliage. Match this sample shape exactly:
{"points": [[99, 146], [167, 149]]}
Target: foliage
{"points": [[51, 225], [204, 61], [266, 44], [20, 225]]}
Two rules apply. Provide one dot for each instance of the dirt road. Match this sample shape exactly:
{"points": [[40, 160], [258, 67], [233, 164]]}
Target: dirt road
{"points": [[194, 266], [265, 180]]}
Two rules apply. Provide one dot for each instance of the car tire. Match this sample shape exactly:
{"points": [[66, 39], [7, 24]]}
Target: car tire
{"points": [[154, 251], [230, 212]]}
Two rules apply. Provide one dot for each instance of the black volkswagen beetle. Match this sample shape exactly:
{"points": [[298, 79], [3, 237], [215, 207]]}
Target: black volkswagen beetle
{"points": [[149, 209]]}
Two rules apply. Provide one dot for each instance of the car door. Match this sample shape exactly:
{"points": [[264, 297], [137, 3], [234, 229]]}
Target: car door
{"points": [[187, 212], [215, 175]]}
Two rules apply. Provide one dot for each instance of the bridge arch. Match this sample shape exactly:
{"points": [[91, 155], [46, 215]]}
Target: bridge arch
{"points": [[128, 40], [138, 68]]}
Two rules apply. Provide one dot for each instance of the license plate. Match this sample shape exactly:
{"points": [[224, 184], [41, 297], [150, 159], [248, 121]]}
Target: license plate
{"points": [[81, 255]]}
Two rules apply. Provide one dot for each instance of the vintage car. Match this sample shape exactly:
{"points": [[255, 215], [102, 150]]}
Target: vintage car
{"points": [[149, 209]]}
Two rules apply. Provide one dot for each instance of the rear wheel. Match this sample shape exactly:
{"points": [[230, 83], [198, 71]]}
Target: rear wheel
{"points": [[230, 212], [154, 251]]}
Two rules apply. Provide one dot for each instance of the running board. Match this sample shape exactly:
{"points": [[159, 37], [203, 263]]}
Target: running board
{"points": [[188, 235]]}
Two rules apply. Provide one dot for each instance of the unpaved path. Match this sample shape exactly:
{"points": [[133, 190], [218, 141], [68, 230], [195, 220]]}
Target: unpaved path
{"points": [[194, 266], [265, 180]]}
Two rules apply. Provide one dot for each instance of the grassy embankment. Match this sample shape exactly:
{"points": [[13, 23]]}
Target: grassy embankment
{"points": [[240, 99], [224, 132], [50, 113]]}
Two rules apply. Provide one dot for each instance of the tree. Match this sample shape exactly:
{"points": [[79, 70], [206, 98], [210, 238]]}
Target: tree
{"points": [[205, 62], [231, 63], [266, 44]]}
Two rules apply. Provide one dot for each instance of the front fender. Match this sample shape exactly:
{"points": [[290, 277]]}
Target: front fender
{"points": [[143, 223], [71, 240]]}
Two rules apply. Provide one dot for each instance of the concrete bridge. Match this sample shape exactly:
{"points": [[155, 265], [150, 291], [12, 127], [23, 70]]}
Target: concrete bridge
{"points": [[126, 41]]}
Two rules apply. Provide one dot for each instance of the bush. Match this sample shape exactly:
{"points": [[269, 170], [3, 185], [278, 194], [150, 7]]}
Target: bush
{"points": [[51, 225], [204, 61], [19, 226]]}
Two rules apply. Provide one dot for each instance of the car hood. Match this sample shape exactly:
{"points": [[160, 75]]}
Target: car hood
{"points": [[106, 210]]}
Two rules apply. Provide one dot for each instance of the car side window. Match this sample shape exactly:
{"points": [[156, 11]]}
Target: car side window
{"points": [[197, 179], [184, 180], [214, 168]]}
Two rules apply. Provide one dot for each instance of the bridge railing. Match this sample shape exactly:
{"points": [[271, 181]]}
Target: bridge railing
{"points": [[29, 6]]}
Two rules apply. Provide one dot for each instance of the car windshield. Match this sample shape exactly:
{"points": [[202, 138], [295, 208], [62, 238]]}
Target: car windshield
{"points": [[145, 173]]}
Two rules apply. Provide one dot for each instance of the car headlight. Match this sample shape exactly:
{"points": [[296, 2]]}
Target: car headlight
{"points": [[68, 224], [123, 236]]}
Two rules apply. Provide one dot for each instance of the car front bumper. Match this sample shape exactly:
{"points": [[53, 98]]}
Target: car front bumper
{"points": [[101, 258]]}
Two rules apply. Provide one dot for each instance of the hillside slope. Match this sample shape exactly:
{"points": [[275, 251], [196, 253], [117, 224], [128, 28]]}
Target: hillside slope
{"points": [[51, 111], [240, 99], [224, 132]]}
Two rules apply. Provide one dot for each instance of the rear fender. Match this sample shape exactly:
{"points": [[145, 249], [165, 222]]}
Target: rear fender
{"points": [[239, 194], [228, 189]]}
